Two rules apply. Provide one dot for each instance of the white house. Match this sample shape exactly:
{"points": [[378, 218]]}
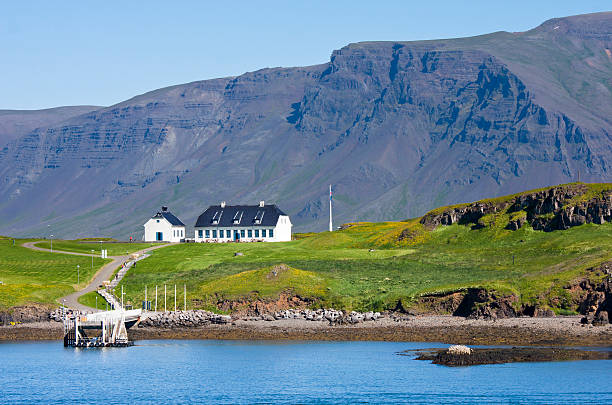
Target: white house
{"points": [[164, 226], [243, 223]]}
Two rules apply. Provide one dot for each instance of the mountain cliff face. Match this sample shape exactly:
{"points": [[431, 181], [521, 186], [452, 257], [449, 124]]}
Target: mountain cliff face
{"points": [[17, 123], [396, 127]]}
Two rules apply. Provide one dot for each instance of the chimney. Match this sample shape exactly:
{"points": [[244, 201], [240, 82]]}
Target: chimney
{"points": [[261, 204], [222, 204], [164, 209]]}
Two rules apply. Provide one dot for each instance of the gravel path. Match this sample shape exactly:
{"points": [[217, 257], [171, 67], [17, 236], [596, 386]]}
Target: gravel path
{"points": [[101, 275]]}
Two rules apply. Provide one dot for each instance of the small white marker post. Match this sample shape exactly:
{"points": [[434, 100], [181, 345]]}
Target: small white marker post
{"points": [[164, 297], [174, 297]]}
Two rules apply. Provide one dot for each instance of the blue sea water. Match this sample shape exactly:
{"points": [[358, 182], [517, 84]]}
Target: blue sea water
{"points": [[205, 371]]}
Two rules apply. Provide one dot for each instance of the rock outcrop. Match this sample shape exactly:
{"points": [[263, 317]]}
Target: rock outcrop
{"points": [[24, 314], [556, 208], [257, 306], [596, 302]]}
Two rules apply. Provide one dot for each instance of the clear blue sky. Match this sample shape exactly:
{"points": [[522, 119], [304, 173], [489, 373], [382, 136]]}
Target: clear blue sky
{"points": [[57, 53]]}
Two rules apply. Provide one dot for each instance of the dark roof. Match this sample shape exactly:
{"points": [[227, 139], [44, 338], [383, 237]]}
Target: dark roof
{"points": [[246, 215], [170, 217]]}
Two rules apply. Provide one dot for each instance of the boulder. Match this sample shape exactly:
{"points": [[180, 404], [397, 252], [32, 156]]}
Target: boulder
{"points": [[601, 318]]}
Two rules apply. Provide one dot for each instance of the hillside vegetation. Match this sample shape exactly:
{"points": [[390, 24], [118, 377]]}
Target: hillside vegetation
{"points": [[376, 266], [28, 276]]}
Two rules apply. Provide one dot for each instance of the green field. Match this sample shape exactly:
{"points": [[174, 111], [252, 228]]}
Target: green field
{"points": [[28, 276], [338, 269], [89, 299], [113, 248], [366, 266]]}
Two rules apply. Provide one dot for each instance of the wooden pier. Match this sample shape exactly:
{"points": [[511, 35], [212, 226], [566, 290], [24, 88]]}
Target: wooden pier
{"points": [[100, 329]]}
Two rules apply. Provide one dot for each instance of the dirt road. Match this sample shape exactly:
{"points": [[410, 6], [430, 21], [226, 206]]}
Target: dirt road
{"points": [[102, 275]]}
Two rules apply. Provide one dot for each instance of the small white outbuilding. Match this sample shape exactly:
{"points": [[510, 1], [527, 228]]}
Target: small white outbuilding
{"points": [[164, 226]]}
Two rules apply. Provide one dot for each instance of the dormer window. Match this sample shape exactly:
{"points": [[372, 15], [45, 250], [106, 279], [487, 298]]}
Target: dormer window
{"points": [[238, 217], [259, 217], [217, 217]]}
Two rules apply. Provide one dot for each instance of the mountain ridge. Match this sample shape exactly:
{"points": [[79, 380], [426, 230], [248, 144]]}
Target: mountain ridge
{"points": [[397, 127]]}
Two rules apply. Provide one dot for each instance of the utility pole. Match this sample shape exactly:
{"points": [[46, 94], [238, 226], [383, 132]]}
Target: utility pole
{"points": [[51, 243]]}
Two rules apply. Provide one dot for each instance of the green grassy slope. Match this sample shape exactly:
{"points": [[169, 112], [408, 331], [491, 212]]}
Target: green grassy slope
{"points": [[364, 266], [28, 276], [114, 248], [452, 258], [407, 261]]}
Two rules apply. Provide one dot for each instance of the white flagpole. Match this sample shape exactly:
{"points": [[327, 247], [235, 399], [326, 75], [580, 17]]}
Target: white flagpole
{"points": [[330, 209]]}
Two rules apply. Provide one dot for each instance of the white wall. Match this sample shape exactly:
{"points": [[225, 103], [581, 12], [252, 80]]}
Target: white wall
{"points": [[282, 232], [170, 233]]}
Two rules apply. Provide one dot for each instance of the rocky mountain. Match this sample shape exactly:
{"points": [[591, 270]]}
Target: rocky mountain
{"points": [[17, 123], [397, 127]]}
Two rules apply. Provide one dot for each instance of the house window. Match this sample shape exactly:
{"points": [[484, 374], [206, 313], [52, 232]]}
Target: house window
{"points": [[208, 233], [263, 233], [271, 233], [182, 233], [257, 233], [200, 233], [157, 221], [250, 233], [214, 233], [242, 233], [221, 233]]}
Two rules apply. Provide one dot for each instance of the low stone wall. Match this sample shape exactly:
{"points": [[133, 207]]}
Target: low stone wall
{"points": [[330, 315], [193, 318]]}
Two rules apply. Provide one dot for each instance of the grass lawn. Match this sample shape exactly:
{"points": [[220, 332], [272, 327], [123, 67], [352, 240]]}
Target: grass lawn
{"points": [[89, 299], [29, 276], [113, 248]]}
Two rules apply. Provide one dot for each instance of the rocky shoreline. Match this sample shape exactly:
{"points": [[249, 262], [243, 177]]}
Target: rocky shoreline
{"points": [[565, 331]]}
